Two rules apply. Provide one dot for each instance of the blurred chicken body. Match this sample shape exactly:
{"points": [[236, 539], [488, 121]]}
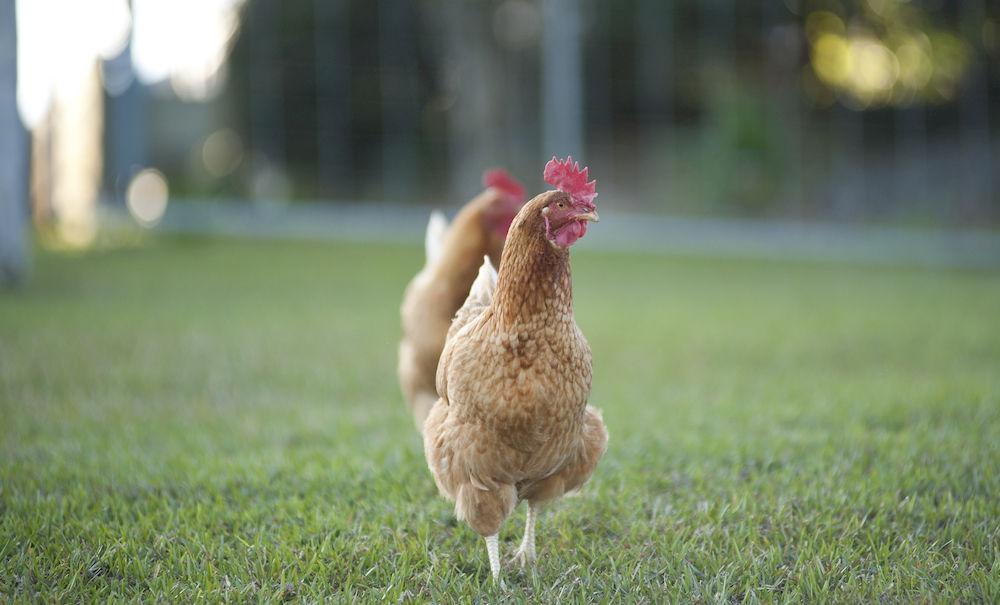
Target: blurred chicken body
{"points": [[512, 422], [434, 295]]}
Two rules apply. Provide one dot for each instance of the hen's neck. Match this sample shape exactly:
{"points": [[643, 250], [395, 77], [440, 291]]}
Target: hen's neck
{"points": [[534, 277]]}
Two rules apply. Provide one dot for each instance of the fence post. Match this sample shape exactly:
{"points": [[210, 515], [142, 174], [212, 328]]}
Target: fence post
{"points": [[126, 133], [267, 111], [397, 31], [14, 152], [783, 62], [332, 39], [472, 79], [562, 79], [654, 68], [974, 117]]}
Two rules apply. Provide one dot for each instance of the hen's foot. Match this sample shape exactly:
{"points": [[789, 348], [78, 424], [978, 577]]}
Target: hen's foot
{"points": [[524, 557]]}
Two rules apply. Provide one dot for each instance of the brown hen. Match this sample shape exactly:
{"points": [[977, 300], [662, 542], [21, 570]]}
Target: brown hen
{"points": [[512, 422], [437, 291]]}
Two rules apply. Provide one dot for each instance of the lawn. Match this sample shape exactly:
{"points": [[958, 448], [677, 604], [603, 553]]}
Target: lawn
{"points": [[201, 419]]}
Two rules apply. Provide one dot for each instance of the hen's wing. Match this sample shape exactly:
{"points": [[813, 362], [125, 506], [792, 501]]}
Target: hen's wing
{"points": [[480, 298], [434, 239]]}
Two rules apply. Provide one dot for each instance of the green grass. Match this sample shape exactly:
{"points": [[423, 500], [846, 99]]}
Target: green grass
{"points": [[213, 419]]}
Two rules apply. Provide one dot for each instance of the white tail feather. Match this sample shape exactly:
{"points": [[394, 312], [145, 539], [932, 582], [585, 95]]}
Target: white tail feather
{"points": [[434, 239], [480, 297], [482, 289]]}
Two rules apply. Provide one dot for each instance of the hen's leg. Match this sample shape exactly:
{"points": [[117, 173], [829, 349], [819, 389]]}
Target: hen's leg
{"points": [[493, 550], [525, 555], [484, 510]]}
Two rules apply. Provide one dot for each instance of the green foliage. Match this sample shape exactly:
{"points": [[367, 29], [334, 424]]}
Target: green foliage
{"points": [[219, 420], [743, 158]]}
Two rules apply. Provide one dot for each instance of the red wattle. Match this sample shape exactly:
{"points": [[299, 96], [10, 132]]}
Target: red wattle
{"points": [[567, 235]]}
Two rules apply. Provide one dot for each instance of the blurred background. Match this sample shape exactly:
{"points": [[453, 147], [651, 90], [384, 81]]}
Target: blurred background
{"points": [[770, 125]]}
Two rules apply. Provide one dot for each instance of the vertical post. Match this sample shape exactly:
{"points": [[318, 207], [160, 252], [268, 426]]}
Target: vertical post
{"points": [[562, 79], [783, 62], [400, 112], [520, 115], [267, 120], [126, 135], [654, 27], [849, 186], [974, 110], [715, 64], [600, 89], [475, 119], [716, 48], [517, 27], [14, 152], [332, 39], [912, 186]]}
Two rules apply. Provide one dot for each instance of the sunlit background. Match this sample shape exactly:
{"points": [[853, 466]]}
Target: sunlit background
{"points": [[851, 112]]}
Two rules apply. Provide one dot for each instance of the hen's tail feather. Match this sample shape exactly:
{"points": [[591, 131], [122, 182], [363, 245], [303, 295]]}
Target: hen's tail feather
{"points": [[480, 297], [481, 292], [421, 407], [437, 225]]}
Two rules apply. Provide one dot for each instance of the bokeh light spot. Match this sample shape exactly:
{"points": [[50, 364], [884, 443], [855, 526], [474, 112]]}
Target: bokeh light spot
{"points": [[874, 68], [146, 197], [821, 23], [832, 59], [222, 152]]}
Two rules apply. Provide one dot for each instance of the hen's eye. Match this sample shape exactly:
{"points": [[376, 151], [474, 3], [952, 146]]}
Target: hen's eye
{"points": [[561, 205]]}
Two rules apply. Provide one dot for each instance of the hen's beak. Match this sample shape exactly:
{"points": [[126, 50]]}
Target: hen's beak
{"points": [[588, 216]]}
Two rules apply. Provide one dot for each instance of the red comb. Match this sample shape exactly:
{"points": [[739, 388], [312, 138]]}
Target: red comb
{"points": [[566, 176], [500, 179]]}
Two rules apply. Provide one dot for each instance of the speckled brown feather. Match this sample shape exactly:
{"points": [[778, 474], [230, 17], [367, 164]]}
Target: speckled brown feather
{"points": [[433, 296], [512, 421]]}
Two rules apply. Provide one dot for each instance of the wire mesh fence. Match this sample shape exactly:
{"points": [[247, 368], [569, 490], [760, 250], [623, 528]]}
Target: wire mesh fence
{"points": [[876, 110], [857, 111]]}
